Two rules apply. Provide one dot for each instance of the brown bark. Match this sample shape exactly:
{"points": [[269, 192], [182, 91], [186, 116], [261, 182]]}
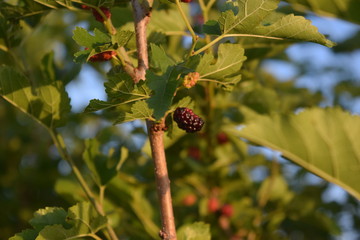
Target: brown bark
{"points": [[155, 130], [156, 133]]}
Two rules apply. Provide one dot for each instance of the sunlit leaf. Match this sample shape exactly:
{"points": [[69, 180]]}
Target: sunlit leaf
{"points": [[195, 231], [48, 102], [323, 141]]}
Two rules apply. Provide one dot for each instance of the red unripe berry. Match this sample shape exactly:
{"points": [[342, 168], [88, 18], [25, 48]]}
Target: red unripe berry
{"points": [[83, 6], [227, 210], [189, 200], [213, 204], [222, 138], [194, 152], [102, 57], [98, 16], [186, 1]]}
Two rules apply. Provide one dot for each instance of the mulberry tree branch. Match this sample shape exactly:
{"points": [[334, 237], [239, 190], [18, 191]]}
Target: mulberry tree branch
{"points": [[142, 14]]}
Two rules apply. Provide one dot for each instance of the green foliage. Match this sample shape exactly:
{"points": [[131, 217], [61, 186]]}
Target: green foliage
{"points": [[81, 220], [112, 161], [258, 19], [226, 70], [310, 139], [48, 103], [344, 9], [195, 231]]}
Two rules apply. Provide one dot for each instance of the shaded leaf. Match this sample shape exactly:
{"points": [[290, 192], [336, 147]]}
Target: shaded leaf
{"points": [[48, 216], [139, 110], [48, 103], [102, 167], [27, 234], [164, 87], [159, 59], [344, 9], [323, 141], [120, 89]]}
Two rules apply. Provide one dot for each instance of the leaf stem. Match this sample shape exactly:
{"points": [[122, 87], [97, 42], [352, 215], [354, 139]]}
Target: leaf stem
{"points": [[187, 23], [210, 44], [60, 145]]}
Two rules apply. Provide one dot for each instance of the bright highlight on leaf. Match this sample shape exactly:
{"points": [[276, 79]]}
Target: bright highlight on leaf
{"points": [[257, 18], [323, 141]]}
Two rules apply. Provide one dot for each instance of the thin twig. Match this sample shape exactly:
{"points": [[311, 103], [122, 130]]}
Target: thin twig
{"points": [[60, 145], [141, 19]]}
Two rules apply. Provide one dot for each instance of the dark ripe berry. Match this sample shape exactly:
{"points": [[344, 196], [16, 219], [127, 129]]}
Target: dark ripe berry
{"points": [[187, 120], [186, 1]]}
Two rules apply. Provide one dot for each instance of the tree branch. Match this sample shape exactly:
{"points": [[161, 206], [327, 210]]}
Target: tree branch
{"points": [[142, 17], [155, 130]]}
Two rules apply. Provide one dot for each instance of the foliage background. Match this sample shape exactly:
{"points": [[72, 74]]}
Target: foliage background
{"points": [[33, 175]]}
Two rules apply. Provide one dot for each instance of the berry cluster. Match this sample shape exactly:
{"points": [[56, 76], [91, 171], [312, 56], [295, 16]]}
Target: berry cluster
{"points": [[187, 120]]}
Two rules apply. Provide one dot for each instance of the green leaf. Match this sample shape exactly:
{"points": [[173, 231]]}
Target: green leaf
{"points": [[184, 102], [164, 87], [55, 4], [323, 141], [295, 28], [121, 38], [97, 43], [273, 188], [54, 223], [226, 69], [344, 9], [84, 38], [212, 27], [47, 103], [159, 59], [248, 15], [84, 220], [167, 20], [194, 231], [102, 167], [256, 18], [120, 89], [70, 190], [27, 234], [139, 110], [48, 216]]}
